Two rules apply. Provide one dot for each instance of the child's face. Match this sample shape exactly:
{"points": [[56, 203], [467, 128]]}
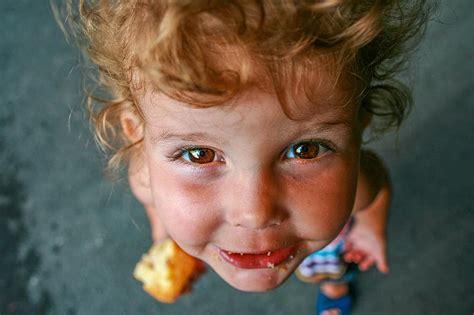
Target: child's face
{"points": [[246, 179]]}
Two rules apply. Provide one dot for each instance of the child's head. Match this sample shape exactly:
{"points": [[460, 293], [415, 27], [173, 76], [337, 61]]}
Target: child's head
{"points": [[247, 116]]}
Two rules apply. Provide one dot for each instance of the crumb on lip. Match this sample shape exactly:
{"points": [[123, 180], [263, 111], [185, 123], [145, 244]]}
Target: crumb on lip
{"points": [[283, 268], [269, 253], [270, 265]]}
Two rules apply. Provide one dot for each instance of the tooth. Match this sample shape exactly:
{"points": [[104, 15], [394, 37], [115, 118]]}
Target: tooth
{"points": [[241, 254], [269, 253]]}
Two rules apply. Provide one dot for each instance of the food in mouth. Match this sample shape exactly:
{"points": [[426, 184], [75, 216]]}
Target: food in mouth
{"points": [[267, 259]]}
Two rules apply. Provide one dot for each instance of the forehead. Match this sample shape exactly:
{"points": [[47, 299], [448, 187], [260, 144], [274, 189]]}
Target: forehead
{"points": [[306, 95], [254, 117]]}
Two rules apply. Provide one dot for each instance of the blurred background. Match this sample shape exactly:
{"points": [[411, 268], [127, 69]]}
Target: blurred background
{"points": [[69, 239]]}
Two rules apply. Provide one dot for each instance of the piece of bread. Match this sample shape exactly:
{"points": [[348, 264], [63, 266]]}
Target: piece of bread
{"points": [[167, 271]]}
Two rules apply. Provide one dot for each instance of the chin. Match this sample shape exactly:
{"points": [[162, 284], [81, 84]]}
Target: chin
{"points": [[254, 280], [258, 280], [258, 287]]}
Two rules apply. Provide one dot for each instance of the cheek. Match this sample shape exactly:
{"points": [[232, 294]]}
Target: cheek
{"points": [[322, 203], [185, 208]]}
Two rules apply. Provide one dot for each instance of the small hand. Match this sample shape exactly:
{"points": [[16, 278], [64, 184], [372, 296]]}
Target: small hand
{"points": [[366, 246]]}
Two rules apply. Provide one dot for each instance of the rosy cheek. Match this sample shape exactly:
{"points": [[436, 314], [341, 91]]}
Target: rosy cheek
{"points": [[186, 208], [321, 204]]}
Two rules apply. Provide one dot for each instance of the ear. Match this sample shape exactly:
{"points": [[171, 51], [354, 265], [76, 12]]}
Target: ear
{"points": [[138, 173], [139, 180], [132, 125]]}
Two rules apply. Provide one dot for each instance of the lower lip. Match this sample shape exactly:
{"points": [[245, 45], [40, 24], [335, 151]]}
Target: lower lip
{"points": [[257, 261]]}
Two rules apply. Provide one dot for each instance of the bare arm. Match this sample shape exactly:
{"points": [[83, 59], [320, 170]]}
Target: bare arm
{"points": [[366, 242], [373, 191]]}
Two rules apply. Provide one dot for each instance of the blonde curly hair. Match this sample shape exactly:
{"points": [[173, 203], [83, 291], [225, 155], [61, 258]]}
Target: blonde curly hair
{"points": [[171, 43]]}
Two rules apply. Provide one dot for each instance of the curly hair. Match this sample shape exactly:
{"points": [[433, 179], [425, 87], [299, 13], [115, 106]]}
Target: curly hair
{"points": [[173, 44]]}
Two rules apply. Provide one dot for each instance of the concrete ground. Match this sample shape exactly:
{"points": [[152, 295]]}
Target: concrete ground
{"points": [[69, 239]]}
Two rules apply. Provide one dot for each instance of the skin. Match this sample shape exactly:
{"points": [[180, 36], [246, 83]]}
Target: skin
{"points": [[255, 194], [366, 244]]}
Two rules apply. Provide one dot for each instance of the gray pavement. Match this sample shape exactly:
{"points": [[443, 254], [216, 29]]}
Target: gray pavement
{"points": [[69, 239]]}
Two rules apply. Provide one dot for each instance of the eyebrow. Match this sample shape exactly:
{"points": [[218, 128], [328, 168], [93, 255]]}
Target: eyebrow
{"points": [[324, 126], [190, 137], [166, 135]]}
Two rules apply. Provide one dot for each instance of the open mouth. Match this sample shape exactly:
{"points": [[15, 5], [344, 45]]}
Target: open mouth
{"points": [[269, 259]]}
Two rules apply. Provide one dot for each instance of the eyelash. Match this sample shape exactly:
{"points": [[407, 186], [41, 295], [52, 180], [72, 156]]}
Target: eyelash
{"points": [[178, 156], [321, 144]]}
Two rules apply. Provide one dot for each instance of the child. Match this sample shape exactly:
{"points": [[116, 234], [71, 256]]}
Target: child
{"points": [[241, 123]]}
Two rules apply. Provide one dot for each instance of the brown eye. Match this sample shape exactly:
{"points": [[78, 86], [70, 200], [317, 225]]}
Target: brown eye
{"points": [[307, 150], [199, 155]]}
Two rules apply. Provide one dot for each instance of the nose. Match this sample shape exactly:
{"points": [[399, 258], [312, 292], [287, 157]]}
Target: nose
{"points": [[253, 200]]}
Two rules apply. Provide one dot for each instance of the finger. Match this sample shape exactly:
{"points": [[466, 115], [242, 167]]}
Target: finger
{"points": [[382, 265], [359, 256], [358, 252], [381, 260], [353, 256], [347, 257], [366, 263]]}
